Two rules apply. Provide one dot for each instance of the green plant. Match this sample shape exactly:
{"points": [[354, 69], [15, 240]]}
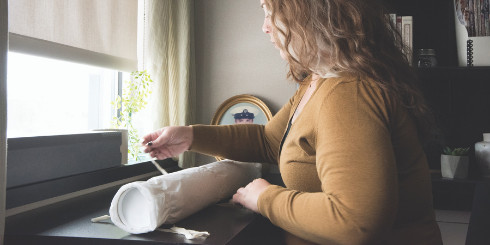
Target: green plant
{"points": [[456, 151], [135, 93]]}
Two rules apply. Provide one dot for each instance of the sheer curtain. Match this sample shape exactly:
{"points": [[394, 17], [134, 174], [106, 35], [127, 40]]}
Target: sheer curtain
{"points": [[3, 111], [167, 54]]}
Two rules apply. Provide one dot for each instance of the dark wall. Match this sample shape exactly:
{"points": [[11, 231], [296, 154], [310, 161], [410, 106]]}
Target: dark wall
{"points": [[460, 99], [433, 26]]}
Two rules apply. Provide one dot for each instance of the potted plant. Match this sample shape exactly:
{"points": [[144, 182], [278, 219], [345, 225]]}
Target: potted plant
{"points": [[133, 99], [455, 162]]}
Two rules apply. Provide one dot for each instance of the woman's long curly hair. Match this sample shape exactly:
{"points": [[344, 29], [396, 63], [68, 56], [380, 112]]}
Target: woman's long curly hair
{"points": [[348, 36]]}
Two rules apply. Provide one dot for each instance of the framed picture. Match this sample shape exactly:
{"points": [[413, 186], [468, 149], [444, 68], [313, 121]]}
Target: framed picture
{"points": [[242, 109]]}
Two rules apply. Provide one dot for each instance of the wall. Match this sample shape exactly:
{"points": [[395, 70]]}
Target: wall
{"points": [[3, 111], [234, 56], [459, 99]]}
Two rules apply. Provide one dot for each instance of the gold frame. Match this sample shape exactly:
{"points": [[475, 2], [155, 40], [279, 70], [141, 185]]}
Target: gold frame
{"points": [[243, 98]]}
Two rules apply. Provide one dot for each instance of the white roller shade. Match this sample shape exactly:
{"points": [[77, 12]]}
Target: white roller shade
{"points": [[98, 32]]}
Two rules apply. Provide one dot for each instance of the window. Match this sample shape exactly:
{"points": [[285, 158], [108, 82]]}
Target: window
{"points": [[67, 61], [55, 97], [49, 97]]}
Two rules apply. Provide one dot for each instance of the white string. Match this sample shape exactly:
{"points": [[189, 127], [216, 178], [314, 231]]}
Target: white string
{"points": [[189, 234], [158, 167], [100, 218]]}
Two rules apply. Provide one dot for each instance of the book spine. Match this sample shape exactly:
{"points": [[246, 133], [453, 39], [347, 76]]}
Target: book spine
{"points": [[477, 18], [393, 18], [407, 36], [399, 29]]}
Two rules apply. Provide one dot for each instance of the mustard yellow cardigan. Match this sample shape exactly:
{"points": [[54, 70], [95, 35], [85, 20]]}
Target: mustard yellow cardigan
{"points": [[352, 163]]}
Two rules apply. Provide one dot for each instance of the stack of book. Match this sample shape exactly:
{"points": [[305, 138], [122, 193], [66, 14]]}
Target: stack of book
{"points": [[404, 26]]}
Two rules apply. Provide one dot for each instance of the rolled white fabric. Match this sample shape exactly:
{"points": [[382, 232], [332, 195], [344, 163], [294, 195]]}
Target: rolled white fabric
{"points": [[143, 206]]}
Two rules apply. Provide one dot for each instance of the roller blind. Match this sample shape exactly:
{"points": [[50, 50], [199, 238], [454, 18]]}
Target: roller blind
{"points": [[97, 32]]}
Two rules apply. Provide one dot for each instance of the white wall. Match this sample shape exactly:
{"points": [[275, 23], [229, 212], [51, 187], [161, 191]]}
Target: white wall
{"points": [[3, 111], [234, 56]]}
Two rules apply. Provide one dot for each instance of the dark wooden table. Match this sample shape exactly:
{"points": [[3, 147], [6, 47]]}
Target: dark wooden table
{"points": [[69, 222]]}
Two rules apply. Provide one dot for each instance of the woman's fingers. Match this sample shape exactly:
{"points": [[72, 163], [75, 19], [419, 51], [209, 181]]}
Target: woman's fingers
{"points": [[160, 153], [238, 197], [168, 141], [247, 196]]}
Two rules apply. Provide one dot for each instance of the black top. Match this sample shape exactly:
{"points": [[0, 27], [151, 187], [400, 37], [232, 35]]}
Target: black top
{"points": [[69, 222]]}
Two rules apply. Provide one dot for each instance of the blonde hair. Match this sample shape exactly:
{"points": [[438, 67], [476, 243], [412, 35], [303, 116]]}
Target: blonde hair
{"points": [[347, 36]]}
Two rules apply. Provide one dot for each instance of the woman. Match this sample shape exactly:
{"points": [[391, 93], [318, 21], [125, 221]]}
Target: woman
{"points": [[348, 143]]}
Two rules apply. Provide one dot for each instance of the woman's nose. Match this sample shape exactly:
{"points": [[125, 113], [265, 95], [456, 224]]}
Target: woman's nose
{"points": [[266, 28]]}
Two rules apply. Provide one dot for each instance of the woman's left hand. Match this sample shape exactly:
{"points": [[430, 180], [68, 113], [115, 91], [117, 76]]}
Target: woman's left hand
{"points": [[249, 195]]}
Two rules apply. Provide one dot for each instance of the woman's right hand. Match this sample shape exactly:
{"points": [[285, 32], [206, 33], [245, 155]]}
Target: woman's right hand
{"points": [[168, 141]]}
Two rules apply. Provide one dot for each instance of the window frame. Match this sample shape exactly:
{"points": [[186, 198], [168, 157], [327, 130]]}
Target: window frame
{"points": [[34, 195], [31, 196]]}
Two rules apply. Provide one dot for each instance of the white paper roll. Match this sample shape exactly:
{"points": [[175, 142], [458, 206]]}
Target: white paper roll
{"points": [[143, 206]]}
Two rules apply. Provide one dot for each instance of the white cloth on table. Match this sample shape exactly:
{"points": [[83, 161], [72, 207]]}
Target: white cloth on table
{"points": [[143, 206]]}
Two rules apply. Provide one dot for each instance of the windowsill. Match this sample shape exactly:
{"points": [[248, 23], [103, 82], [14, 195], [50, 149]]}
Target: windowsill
{"points": [[69, 222], [26, 197], [470, 179]]}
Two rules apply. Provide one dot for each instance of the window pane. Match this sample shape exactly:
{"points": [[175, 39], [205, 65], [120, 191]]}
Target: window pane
{"points": [[47, 96]]}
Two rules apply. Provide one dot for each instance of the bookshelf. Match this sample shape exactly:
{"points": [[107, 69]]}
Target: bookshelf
{"points": [[459, 96], [433, 26]]}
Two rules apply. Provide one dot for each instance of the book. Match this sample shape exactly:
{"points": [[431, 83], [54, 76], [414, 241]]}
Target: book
{"points": [[392, 25], [399, 25], [407, 36], [404, 26], [393, 18]]}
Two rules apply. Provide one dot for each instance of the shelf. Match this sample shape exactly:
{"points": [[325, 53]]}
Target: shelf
{"points": [[433, 26], [454, 68], [458, 98], [469, 180]]}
